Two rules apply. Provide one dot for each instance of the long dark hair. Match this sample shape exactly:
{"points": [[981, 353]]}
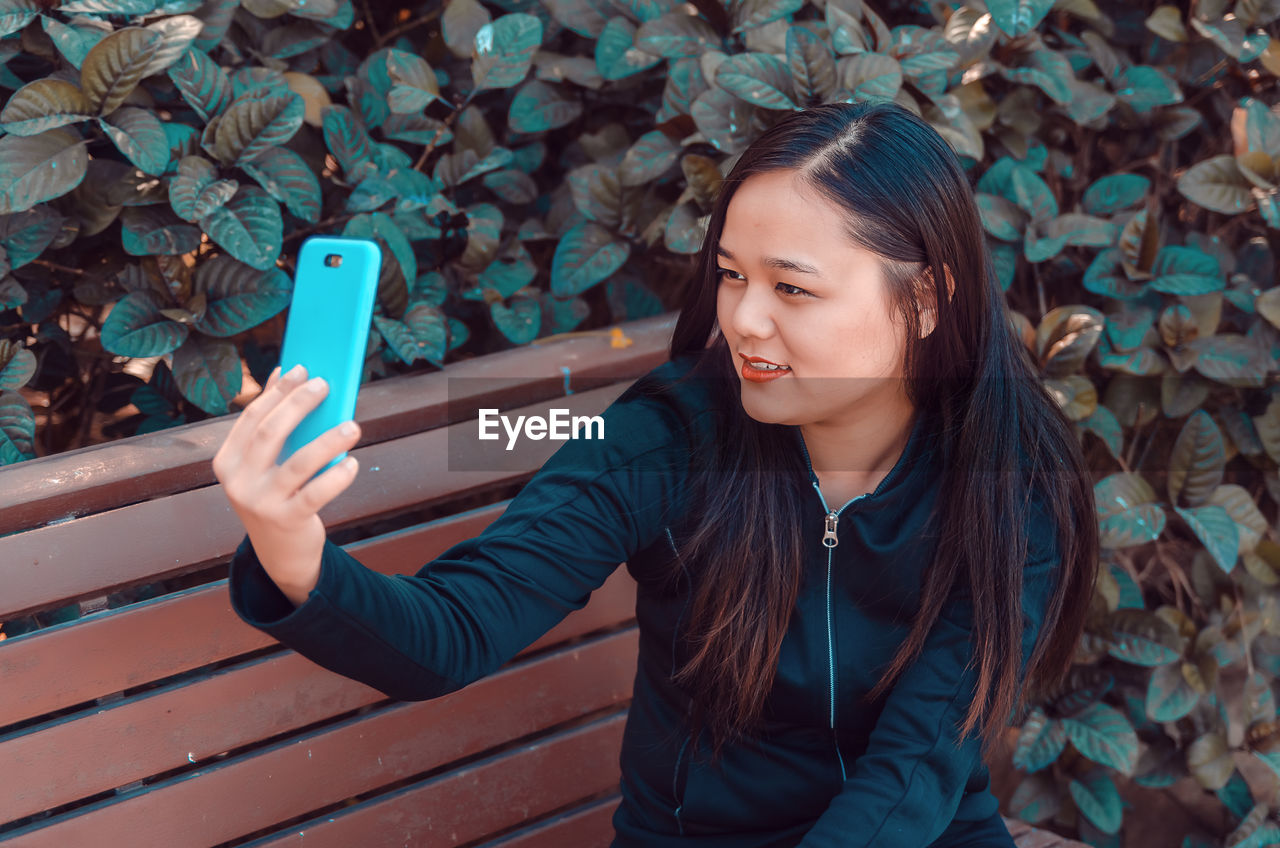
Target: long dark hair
{"points": [[999, 435]]}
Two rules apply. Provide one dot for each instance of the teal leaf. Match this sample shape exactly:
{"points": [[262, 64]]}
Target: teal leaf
{"points": [[345, 138], [761, 79], [288, 179], [1145, 87], [519, 322], [202, 82], [1103, 424], [1101, 733], [137, 133], [504, 50], [812, 65], [1127, 512], [37, 168], [1040, 741], [563, 315], [155, 231], [248, 226], [208, 372], [870, 75], [257, 120], [430, 288], [1216, 530], [586, 255], [1105, 276], [196, 191], [1186, 271], [512, 185], [44, 104], [136, 328], [676, 34], [112, 69], [616, 55], [381, 227], [17, 426], [16, 14], [183, 140], [25, 235], [1142, 638], [540, 106], [423, 334], [1032, 194], [1169, 696], [1114, 192], [238, 296], [176, 32], [1018, 17], [17, 365], [723, 119], [1097, 797]]}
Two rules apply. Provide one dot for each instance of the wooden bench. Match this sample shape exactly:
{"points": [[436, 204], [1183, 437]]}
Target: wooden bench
{"points": [[168, 721]]}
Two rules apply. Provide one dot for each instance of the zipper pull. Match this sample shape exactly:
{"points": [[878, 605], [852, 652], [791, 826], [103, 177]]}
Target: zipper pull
{"points": [[829, 534]]}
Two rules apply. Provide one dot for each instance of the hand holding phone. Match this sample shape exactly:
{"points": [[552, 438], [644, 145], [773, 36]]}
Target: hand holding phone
{"points": [[283, 459]]}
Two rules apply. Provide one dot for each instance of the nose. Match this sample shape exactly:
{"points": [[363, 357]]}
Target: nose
{"points": [[750, 312]]}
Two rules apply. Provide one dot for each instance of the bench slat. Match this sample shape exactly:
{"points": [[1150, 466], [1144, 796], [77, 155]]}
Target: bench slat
{"points": [[48, 565], [102, 477], [244, 794], [590, 826], [107, 652]]}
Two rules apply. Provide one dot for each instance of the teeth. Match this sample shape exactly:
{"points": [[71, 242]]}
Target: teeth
{"points": [[761, 366]]}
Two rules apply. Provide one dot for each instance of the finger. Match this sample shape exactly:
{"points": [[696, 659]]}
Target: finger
{"points": [[268, 437], [294, 472], [240, 439], [313, 497], [272, 379]]}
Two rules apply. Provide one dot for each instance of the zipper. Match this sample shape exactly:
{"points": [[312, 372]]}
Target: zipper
{"points": [[830, 539], [675, 784]]}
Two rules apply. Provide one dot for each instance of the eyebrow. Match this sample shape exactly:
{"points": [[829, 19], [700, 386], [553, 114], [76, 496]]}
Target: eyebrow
{"points": [[776, 262]]}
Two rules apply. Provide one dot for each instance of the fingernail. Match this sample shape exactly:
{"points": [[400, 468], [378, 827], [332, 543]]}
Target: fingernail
{"points": [[349, 429], [295, 372], [315, 384]]}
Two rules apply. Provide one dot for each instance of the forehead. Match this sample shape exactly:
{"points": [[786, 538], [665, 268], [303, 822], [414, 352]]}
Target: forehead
{"points": [[775, 215]]}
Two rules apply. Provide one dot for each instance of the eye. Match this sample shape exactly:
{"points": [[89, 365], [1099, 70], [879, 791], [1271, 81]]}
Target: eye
{"points": [[796, 291]]}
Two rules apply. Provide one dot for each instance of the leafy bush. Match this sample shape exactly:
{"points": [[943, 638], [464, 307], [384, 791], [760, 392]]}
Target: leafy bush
{"points": [[534, 167]]}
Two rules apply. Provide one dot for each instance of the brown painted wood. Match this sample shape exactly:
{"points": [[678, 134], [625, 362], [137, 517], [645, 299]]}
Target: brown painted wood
{"points": [[589, 826], [101, 477], [472, 803], [245, 794], [96, 554], [109, 652]]}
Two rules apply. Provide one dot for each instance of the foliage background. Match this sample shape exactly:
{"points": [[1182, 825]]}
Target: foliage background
{"points": [[536, 167]]}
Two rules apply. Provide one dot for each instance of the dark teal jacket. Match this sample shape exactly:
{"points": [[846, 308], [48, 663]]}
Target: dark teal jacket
{"points": [[825, 770]]}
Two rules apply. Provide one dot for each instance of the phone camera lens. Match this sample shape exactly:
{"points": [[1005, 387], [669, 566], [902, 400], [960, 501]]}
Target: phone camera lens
{"points": [[333, 260]]}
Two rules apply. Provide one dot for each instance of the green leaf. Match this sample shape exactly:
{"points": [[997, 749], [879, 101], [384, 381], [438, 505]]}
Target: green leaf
{"points": [[257, 120], [1145, 87], [136, 328], [1101, 733], [112, 69], [761, 79], [248, 227], [383, 228], [540, 106], [1216, 531], [586, 255], [73, 42], [616, 55], [723, 119], [1018, 17], [17, 426], [202, 83], [209, 373], [519, 322], [345, 138], [1186, 271], [563, 315], [288, 179], [25, 235], [422, 334], [1097, 797], [504, 50], [508, 277], [139, 136], [42, 105], [196, 191], [1210, 761], [17, 365], [40, 167], [1143, 638], [757, 13], [1197, 461], [1040, 741], [155, 231], [1114, 192], [238, 296], [676, 34], [1169, 696]]}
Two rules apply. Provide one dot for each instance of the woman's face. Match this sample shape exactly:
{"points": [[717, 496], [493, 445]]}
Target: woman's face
{"points": [[796, 291]]}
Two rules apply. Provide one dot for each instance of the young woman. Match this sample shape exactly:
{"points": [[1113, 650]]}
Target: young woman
{"points": [[863, 535]]}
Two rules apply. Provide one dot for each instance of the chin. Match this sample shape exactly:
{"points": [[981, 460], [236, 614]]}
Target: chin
{"points": [[767, 411]]}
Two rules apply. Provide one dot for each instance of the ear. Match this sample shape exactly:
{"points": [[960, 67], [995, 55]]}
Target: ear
{"points": [[928, 316]]}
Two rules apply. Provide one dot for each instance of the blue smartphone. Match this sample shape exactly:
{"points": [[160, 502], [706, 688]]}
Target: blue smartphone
{"points": [[327, 330]]}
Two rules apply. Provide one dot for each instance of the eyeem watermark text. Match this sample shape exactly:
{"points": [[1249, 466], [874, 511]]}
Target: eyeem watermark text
{"points": [[558, 426]]}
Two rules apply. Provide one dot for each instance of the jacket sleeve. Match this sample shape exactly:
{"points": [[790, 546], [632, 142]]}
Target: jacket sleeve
{"points": [[467, 612], [906, 786]]}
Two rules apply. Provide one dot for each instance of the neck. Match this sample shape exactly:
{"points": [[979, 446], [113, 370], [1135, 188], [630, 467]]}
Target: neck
{"points": [[860, 451]]}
